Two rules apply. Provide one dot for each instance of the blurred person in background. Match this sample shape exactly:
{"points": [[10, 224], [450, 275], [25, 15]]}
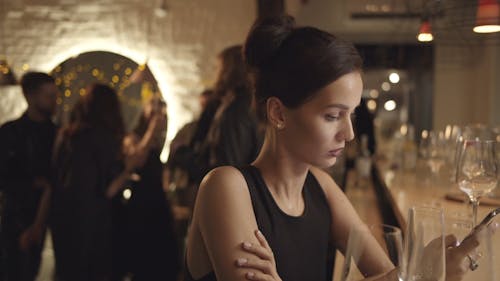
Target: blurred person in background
{"points": [[181, 189], [232, 136], [151, 242], [25, 181], [89, 170]]}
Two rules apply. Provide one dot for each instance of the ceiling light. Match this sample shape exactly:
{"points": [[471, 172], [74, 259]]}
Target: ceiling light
{"points": [[425, 32], [487, 17]]}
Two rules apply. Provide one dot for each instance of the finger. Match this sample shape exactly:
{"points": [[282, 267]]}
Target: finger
{"points": [[450, 240], [262, 239], [258, 276], [257, 250], [261, 265], [493, 227], [469, 244]]}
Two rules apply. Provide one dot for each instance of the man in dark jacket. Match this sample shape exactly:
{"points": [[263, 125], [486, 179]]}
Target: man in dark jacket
{"points": [[25, 154]]}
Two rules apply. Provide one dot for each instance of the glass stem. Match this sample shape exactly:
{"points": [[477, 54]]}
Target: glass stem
{"points": [[475, 203]]}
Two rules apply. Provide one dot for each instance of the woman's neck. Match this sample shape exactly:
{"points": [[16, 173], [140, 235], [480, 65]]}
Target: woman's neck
{"points": [[283, 175]]}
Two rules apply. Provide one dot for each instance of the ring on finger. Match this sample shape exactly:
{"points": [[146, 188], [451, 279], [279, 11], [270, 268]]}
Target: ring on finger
{"points": [[473, 264]]}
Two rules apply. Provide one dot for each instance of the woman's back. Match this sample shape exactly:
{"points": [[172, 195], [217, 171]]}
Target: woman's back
{"points": [[85, 164]]}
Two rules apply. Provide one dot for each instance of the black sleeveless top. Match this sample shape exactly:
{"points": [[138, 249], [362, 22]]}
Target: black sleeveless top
{"points": [[300, 244]]}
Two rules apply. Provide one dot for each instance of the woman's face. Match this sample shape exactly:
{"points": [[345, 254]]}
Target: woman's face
{"points": [[316, 132]]}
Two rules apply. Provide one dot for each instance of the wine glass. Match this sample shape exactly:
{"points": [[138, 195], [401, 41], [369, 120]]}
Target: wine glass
{"points": [[436, 152], [389, 240], [477, 171], [452, 136]]}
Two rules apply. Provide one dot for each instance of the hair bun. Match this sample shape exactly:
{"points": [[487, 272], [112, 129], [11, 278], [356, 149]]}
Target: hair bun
{"points": [[265, 38]]}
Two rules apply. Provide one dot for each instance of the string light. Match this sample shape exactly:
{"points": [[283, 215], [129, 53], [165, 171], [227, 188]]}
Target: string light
{"points": [[75, 79]]}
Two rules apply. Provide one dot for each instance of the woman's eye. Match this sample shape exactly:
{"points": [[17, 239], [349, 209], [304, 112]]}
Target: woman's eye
{"points": [[330, 117]]}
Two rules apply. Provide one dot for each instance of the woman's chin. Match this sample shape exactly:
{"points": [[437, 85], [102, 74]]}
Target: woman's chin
{"points": [[327, 164]]}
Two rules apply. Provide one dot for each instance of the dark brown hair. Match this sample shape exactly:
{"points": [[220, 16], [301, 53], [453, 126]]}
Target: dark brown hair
{"points": [[99, 108], [233, 75], [292, 63], [31, 81]]}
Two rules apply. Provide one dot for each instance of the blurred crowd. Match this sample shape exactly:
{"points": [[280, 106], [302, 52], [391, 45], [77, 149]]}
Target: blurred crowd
{"points": [[113, 209]]}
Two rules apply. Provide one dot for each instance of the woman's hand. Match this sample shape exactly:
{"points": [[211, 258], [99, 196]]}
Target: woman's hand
{"points": [[262, 261], [464, 257]]}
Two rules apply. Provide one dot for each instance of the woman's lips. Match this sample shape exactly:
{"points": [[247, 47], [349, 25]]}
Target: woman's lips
{"points": [[336, 152]]}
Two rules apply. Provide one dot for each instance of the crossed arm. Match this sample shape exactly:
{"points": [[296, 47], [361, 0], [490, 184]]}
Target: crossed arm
{"points": [[224, 236]]}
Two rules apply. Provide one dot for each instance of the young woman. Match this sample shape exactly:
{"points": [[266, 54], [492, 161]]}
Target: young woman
{"points": [[307, 85]]}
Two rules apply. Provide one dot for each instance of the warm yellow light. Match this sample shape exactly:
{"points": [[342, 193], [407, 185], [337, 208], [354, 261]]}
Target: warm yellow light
{"points": [[425, 134], [390, 105], [394, 78], [425, 37], [374, 93], [127, 193], [372, 105], [177, 114], [487, 17], [115, 79], [486, 28], [425, 32], [386, 86], [67, 93], [25, 67], [403, 129]]}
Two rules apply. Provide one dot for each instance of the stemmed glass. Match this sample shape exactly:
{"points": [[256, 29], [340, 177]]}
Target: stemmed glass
{"points": [[433, 151], [477, 171], [436, 152]]}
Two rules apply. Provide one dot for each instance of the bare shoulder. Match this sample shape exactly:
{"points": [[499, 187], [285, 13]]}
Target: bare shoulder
{"points": [[223, 219], [221, 180], [221, 190], [222, 174]]}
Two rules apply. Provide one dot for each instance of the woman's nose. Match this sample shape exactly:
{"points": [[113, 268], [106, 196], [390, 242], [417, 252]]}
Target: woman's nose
{"points": [[347, 132]]}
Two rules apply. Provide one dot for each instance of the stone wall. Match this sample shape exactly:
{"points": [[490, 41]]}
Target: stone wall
{"points": [[180, 46]]}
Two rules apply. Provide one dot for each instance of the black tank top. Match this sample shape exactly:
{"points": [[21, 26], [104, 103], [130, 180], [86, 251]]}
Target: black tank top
{"points": [[300, 244]]}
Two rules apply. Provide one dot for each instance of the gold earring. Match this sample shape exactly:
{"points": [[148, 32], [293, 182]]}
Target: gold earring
{"points": [[279, 126]]}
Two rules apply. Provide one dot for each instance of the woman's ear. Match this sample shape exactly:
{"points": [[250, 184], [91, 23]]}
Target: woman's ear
{"points": [[275, 112]]}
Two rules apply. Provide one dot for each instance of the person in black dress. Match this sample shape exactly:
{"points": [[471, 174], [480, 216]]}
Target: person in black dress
{"points": [[152, 243], [89, 170], [25, 153], [307, 84]]}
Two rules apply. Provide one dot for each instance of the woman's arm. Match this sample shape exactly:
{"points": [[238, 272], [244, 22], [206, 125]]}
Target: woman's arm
{"points": [[224, 217]]}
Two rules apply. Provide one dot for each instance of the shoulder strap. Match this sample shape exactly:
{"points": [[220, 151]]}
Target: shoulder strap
{"points": [[246, 171]]}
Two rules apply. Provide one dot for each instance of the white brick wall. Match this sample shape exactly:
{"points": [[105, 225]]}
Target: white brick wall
{"points": [[182, 45]]}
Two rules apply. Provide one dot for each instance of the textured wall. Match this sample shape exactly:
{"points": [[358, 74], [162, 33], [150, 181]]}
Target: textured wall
{"points": [[181, 46]]}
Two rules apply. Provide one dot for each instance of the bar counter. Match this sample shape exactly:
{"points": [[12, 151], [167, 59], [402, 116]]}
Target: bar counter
{"points": [[419, 187], [387, 196], [404, 189]]}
